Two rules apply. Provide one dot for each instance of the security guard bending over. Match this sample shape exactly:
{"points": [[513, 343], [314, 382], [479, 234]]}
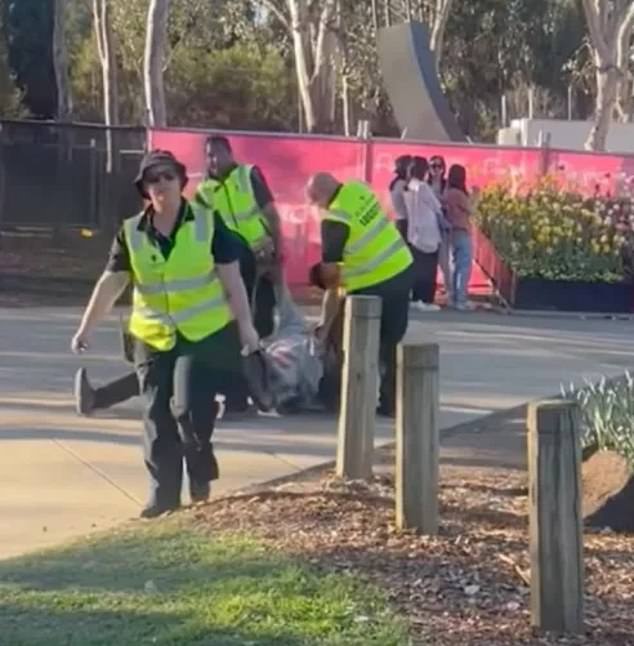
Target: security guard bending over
{"points": [[183, 264], [363, 251]]}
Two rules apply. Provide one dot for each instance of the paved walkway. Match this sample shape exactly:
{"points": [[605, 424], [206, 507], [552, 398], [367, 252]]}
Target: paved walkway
{"points": [[64, 476]]}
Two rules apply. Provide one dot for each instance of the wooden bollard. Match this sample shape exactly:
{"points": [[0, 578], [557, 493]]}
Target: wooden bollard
{"points": [[417, 438], [556, 530], [359, 387]]}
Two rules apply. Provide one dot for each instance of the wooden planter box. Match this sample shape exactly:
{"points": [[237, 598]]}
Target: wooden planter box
{"points": [[554, 295], [572, 296]]}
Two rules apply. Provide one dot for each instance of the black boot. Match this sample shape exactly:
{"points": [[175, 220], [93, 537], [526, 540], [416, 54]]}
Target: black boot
{"points": [[84, 393], [156, 510], [199, 492]]}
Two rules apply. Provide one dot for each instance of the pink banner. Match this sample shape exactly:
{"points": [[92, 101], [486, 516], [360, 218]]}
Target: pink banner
{"points": [[287, 162]]}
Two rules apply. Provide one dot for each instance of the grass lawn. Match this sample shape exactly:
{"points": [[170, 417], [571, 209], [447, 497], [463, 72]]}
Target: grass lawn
{"points": [[166, 583]]}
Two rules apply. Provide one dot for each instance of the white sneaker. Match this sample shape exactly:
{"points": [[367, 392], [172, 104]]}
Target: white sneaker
{"points": [[426, 307], [465, 307]]}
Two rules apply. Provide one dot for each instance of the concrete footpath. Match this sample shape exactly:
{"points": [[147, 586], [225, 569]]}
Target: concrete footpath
{"points": [[63, 476]]}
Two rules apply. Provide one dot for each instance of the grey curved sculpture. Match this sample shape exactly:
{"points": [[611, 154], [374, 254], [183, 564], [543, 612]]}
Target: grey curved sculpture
{"points": [[408, 67]]}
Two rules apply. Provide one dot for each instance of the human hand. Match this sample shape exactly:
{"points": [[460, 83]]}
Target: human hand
{"points": [[79, 342], [249, 339]]}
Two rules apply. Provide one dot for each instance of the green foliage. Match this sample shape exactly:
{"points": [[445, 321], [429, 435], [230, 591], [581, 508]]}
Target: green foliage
{"points": [[607, 414], [221, 70], [243, 87], [11, 105], [557, 234], [30, 31], [171, 584], [496, 46], [491, 47]]}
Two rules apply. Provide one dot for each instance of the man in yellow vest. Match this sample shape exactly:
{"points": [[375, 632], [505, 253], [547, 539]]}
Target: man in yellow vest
{"points": [[190, 317], [240, 195], [363, 252]]}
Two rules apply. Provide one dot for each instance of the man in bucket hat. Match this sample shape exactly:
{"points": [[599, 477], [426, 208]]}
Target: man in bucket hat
{"points": [[190, 318]]}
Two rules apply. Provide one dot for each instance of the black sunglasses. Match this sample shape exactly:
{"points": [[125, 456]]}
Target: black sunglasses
{"points": [[437, 166], [156, 177]]}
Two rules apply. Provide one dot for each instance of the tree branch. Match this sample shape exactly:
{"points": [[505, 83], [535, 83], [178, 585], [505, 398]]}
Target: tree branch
{"points": [[324, 25], [443, 8], [626, 26], [96, 13], [594, 20], [277, 12]]}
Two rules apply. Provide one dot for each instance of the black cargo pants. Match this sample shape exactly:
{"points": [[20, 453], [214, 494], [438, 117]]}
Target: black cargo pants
{"points": [[178, 389]]}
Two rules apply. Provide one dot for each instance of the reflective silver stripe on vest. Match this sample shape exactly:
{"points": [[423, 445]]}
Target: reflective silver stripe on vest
{"points": [[396, 246], [201, 222], [342, 215], [179, 317], [374, 231], [177, 285]]}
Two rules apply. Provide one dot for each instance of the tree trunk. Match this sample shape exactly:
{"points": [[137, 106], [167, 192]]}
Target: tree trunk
{"points": [[607, 94], [299, 29], [624, 102], [314, 48], [107, 58], [155, 45], [609, 25], [60, 63], [441, 15], [345, 97]]}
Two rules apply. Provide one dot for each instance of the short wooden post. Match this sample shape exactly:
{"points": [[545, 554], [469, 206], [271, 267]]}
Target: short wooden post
{"points": [[417, 441], [556, 533], [359, 386]]}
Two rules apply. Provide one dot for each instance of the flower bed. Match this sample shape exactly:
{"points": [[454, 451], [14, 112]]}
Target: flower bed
{"points": [[554, 235]]}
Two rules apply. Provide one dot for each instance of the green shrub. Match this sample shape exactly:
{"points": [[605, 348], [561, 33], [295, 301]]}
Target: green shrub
{"points": [[607, 414]]}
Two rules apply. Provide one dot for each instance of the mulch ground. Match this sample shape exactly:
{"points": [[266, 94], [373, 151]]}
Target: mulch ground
{"points": [[469, 584]]}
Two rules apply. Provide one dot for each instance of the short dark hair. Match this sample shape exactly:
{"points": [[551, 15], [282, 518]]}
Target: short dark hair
{"points": [[419, 167], [219, 140], [402, 164]]}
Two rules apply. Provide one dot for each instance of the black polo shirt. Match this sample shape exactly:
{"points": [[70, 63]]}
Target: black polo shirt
{"points": [[334, 236], [225, 245]]}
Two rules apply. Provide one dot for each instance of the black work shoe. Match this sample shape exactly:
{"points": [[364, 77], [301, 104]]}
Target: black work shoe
{"points": [[84, 393], [154, 511], [199, 493]]}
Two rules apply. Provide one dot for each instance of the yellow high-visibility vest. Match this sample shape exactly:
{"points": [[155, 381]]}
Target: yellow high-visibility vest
{"points": [[181, 294], [375, 250], [233, 198]]}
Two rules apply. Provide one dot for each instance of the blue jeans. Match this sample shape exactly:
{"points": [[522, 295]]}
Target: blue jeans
{"points": [[462, 252]]}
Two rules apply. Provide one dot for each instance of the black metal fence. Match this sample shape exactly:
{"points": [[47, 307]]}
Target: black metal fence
{"points": [[54, 185], [54, 176]]}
